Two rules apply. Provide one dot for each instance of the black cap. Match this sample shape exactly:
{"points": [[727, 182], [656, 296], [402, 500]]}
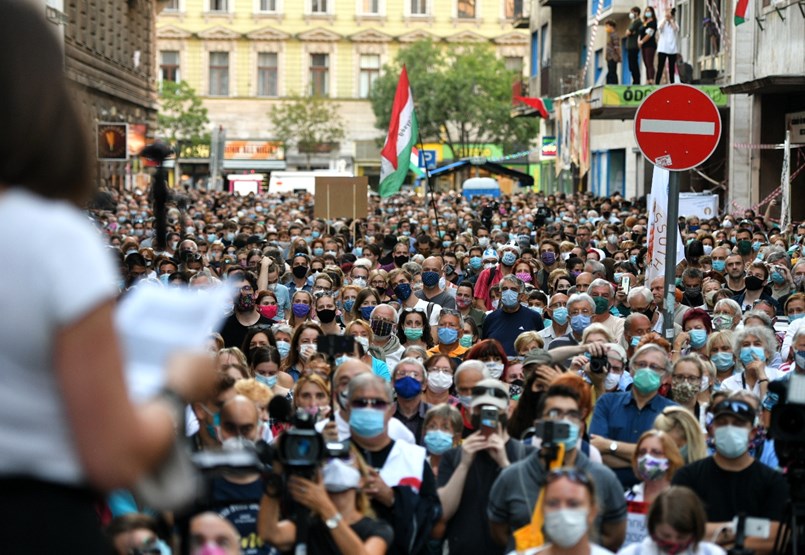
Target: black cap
{"points": [[736, 408]]}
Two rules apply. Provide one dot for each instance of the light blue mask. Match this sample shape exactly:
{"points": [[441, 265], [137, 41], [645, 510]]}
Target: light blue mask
{"points": [[560, 315], [573, 437], [635, 340], [793, 317], [719, 265], [750, 354], [269, 381], [284, 348], [367, 422], [509, 298], [580, 322], [447, 336], [357, 251], [438, 442], [722, 361], [697, 338], [508, 258]]}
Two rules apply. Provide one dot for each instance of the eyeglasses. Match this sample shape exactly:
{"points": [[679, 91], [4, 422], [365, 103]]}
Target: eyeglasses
{"points": [[363, 403], [571, 474], [556, 414], [688, 379], [493, 391], [417, 310]]}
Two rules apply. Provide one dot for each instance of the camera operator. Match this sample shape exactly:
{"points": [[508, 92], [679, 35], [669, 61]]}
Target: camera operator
{"points": [[516, 491], [400, 485], [235, 495], [731, 481], [466, 473], [342, 524]]}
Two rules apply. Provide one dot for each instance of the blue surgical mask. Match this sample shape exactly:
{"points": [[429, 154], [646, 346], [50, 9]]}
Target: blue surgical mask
{"points": [[284, 348], [438, 442], [447, 336], [509, 298], [573, 436], [269, 381], [366, 312], [341, 360], [475, 262], [793, 317], [318, 251], [750, 354], [508, 258], [367, 422], [731, 441], [722, 361], [635, 340], [357, 251], [580, 322], [697, 338], [348, 304], [560, 315], [719, 265]]}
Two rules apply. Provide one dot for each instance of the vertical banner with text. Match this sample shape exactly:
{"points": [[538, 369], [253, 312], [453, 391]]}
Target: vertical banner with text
{"points": [[658, 225]]}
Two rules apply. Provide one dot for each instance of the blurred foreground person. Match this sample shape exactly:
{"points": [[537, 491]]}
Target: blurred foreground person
{"points": [[68, 431]]}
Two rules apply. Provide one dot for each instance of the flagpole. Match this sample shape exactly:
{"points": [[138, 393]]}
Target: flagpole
{"points": [[427, 186], [670, 255]]}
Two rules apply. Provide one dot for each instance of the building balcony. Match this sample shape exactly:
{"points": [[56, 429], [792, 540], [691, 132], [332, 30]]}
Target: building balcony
{"points": [[560, 3], [522, 14], [608, 8]]}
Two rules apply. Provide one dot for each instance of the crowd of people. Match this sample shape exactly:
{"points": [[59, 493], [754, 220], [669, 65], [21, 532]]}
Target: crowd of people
{"points": [[475, 322], [470, 375]]}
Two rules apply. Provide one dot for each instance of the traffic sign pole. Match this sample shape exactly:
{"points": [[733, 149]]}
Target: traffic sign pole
{"points": [[670, 256], [677, 127]]}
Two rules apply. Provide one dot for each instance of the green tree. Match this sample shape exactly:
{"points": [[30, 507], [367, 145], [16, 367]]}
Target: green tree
{"points": [[462, 97], [310, 123], [182, 119]]}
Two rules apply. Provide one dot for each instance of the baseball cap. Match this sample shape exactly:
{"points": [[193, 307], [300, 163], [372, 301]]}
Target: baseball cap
{"points": [[490, 392], [537, 356]]}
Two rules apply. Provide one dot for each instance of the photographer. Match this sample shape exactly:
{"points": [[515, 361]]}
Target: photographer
{"points": [[516, 490], [400, 483], [341, 508]]}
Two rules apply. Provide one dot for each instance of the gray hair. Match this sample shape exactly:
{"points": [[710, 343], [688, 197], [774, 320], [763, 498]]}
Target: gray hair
{"points": [[413, 351], [454, 313], [367, 380], [412, 268], [391, 308], [598, 282], [471, 365], [799, 333], [413, 361], [647, 348], [763, 333], [581, 297], [800, 262], [733, 306], [760, 315], [513, 279], [595, 267], [283, 328], [641, 291]]}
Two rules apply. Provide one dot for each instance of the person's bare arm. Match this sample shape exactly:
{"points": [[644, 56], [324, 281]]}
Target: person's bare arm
{"points": [[280, 534], [621, 458], [262, 278], [116, 441], [500, 532], [450, 493]]}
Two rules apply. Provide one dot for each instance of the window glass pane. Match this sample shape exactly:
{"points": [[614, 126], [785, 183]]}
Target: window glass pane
{"points": [[419, 7], [267, 74], [514, 64], [218, 5], [371, 6], [466, 9], [219, 73], [370, 70], [319, 74], [169, 65], [268, 5], [318, 6], [173, 6]]}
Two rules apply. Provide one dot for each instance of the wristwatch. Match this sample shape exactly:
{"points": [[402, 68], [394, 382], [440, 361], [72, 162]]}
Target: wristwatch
{"points": [[332, 522], [613, 447]]}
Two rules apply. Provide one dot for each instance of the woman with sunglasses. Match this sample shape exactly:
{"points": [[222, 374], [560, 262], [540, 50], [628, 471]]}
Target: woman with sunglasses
{"points": [[414, 329]]}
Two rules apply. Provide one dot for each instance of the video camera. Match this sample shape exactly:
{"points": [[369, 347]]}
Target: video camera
{"points": [[788, 430]]}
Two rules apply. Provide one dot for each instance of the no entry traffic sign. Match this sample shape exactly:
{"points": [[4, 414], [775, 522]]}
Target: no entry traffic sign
{"points": [[677, 127]]}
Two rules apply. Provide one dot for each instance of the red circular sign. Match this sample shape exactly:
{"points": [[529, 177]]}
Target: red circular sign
{"points": [[677, 127]]}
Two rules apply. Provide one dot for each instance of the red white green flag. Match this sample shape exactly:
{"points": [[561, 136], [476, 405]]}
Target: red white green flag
{"points": [[741, 7], [395, 158]]}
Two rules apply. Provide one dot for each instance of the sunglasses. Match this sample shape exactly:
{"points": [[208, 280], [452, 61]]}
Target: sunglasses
{"points": [[571, 474], [493, 391], [364, 402], [740, 408], [417, 310]]}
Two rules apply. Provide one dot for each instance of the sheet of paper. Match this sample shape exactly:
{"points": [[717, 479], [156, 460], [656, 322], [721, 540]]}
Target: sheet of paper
{"points": [[154, 322]]}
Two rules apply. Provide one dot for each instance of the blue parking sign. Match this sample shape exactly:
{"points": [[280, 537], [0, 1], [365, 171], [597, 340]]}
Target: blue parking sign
{"points": [[427, 159]]}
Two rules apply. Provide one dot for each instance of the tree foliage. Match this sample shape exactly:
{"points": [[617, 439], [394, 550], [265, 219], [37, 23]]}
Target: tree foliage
{"points": [[462, 97], [182, 117], [310, 123]]}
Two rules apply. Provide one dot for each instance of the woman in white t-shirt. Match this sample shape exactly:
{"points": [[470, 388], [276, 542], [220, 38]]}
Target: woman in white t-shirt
{"points": [[667, 45], [68, 431], [676, 526]]}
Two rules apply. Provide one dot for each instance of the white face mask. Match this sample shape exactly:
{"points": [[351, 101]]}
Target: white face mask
{"points": [[566, 527], [307, 349], [439, 381], [495, 369], [340, 476], [362, 340], [611, 381]]}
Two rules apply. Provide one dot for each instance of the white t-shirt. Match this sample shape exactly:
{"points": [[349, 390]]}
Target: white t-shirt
{"points": [[55, 270], [595, 549], [737, 382], [423, 305], [648, 547], [667, 38]]}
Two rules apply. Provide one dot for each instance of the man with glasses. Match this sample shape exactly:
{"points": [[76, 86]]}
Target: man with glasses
{"points": [[245, 313], [580, 311], [511, 319], [603, 295], [408, 378], [400, 484], [620, 418], [516, 491], [466, 473], [731, 481]]}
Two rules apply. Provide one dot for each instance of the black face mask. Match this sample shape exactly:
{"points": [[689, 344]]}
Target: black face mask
{"points": [[326, 316], [649, 312], [753, 283], [400, 260], [299, 271]]}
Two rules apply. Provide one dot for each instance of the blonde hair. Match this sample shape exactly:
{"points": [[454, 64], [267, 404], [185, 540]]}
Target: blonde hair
{"points": [[235, 352], [675, 461], [597, 328], [254, 391], [315, 379], [527, 337], [679, 418]]}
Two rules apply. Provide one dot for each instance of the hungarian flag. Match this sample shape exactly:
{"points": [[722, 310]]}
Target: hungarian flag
{"points": [[413, 163], [543, 105], [741, 7], [395, 158]]}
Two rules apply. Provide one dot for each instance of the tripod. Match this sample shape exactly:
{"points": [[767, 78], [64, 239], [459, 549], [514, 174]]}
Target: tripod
{"points": [[791, 536]]}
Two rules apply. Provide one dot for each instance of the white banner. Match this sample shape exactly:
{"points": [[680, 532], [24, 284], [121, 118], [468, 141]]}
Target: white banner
{"points": [[658, 227], [702, 206]]}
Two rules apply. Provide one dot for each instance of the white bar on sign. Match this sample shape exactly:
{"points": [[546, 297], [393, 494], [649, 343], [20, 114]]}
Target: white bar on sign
{"points": [[677, 126]]}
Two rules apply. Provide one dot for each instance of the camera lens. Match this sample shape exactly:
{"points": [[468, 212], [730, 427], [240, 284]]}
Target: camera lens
{"points": [[791, 421]]}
